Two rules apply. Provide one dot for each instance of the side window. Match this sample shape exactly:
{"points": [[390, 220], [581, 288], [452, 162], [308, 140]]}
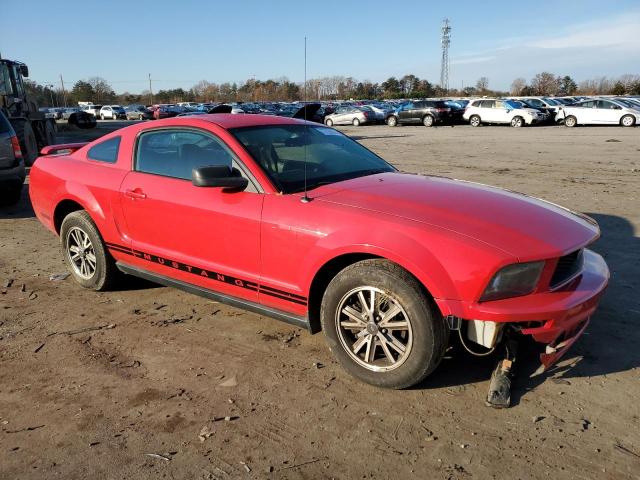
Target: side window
{"points": [[106, 151], [590, 104], [175, 153], [500, 104], [607, 105], [488, 103]]}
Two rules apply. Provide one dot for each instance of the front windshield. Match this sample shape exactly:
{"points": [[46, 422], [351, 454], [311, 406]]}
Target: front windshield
{"points": [[281, 150]]}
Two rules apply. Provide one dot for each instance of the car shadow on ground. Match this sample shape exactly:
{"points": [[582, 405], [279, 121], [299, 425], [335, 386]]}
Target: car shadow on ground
{"points": [[608, 346], [22, 209]]}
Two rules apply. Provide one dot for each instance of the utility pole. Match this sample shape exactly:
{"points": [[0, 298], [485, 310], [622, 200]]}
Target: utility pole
{"points": [[64, 93], [150, 91], [444, 66], [50, 87]]}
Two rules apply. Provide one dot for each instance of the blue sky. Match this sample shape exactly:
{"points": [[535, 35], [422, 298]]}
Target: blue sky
{"points": [[183, 42]]}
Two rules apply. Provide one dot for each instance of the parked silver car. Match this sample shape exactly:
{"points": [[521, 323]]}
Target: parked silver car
{"points": [[12, 171], [350, 115]]}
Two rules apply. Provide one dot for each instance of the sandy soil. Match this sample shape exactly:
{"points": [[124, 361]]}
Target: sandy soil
{"points": [[149, 382]]}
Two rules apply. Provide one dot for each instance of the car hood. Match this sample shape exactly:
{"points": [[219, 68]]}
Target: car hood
{"points": [[522, 226]]}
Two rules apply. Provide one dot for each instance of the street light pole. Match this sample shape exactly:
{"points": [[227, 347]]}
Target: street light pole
{"points": [[50, 87]]}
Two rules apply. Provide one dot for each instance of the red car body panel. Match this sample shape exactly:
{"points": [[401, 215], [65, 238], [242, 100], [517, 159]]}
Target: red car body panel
{"points": [[267, 248]]}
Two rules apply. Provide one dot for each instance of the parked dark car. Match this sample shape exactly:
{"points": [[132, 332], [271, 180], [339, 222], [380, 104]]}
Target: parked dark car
{"points": [[138, 112], [426, 112], [79, 118], [12, 171]]}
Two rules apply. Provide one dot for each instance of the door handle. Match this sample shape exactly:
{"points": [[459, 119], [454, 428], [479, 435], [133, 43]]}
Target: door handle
{"points": [[135, 194]]}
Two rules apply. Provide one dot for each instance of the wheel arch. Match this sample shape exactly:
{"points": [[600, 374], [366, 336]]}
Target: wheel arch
{"points": [[330, 268], [64, 208]]}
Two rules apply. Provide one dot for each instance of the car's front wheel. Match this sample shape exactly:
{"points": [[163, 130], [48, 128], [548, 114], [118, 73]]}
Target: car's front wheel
{"points": [[328, 122], [140, 117], [381, 326], [392, 121], [355, 122], [85, 253], [517, 122]]}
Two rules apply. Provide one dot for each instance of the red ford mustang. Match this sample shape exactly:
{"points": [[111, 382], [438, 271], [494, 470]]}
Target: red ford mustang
{"points": [[385, 263]]}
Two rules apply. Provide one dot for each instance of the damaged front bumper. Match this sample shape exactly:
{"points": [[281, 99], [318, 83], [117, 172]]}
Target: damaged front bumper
{"points": [[556, 318]]}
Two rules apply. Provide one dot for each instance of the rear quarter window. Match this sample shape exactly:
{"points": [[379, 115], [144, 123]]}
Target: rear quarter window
{"points": [[106, 151]]}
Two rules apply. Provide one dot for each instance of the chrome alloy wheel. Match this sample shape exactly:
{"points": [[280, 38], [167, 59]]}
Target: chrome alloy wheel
{"points": [[81, 254], [374, 329]]}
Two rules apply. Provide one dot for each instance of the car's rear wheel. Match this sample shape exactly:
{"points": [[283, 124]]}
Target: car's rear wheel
{"points": [[628, 121], [140, 117], [570, 121], [392, 121], [475, 121], [381, 326], [85, 253], [355, 122], [428, 121], [517, 122], [328, 122], [101, 117]]}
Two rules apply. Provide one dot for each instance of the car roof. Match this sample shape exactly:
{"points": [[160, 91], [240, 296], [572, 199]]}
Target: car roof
{"points": [[229, 120]]}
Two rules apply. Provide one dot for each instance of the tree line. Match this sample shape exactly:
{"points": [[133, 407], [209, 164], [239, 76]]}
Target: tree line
{"points": [[99, 91]]}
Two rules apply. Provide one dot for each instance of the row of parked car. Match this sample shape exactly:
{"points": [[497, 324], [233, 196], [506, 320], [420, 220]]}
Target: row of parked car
{"points": [[514, 111]]}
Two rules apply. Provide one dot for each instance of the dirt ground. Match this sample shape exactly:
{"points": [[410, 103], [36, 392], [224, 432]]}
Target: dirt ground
{"points": [[150, 382]]}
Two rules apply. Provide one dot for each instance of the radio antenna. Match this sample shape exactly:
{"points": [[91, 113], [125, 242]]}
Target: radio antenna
{"points": [[305, 198]]}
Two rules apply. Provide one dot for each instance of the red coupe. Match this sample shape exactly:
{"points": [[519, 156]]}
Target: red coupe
{"points": [[297, 221]]}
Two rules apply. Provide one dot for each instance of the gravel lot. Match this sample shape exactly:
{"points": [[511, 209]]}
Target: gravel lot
{"points": [[150, 382]]}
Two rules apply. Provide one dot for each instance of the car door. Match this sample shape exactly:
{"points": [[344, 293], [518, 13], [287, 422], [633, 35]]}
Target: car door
{"points": [[501, 112], [201, 235], [404, 114], [585, 112], [608, 112], [487, 112]]}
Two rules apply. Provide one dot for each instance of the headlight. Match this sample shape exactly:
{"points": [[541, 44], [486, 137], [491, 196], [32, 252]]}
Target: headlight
{"points": [[513, 281]]}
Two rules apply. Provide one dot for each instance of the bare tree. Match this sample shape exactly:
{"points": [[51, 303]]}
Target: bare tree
{"points": [[482, 85], [545, 83], [518, 85]]}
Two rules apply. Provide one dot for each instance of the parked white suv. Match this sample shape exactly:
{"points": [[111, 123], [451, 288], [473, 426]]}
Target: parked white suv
{"points": [[500, 111], [600, 111], [113, 112]]}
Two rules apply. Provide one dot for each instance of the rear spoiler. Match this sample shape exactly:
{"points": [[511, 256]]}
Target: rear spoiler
{"points": [[63, 148]]}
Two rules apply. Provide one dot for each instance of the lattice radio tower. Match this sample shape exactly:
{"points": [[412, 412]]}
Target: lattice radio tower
{"points": [[444, 67]]}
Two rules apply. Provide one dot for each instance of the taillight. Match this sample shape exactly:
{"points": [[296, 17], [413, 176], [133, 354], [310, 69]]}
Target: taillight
{"points": [[16, 147], [443, 110]]}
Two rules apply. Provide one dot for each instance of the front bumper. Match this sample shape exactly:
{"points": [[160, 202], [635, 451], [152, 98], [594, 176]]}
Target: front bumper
{"points": [[556, 318]]}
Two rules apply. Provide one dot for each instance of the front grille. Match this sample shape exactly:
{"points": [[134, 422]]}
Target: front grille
{"points": [[568, 267]]}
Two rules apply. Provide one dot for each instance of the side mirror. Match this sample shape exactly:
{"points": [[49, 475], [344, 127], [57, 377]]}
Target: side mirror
{"points": [[24, 70], [221, 176]]}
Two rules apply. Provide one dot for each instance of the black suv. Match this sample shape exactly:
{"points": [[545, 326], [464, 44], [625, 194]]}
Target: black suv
{"points": [[426, 112], [12, 172]]}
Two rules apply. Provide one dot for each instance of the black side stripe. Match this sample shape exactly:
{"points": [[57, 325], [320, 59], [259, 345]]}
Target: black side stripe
{"points": [[219, 277]]}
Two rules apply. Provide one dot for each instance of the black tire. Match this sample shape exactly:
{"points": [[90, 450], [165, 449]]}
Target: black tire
{"points": [[106, 272], [570, 121], [392, 121], [428, 332], [50, 132], [428, 121], [11, 193], [475, 121], [328, 122], [517, 122], [355, 122], [27, 139], [101, 117], [140, 117], [628, 121]]}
